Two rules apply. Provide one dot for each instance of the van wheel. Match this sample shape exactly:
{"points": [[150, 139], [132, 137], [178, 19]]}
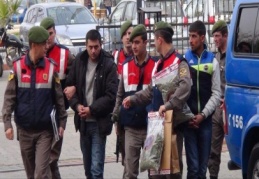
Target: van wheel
{"points": [[253, 165]]}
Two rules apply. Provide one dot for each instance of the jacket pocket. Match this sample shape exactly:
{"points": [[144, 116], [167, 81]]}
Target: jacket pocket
{"points": [[105, 125]]}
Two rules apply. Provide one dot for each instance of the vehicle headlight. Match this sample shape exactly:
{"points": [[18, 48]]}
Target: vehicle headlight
{"points": [[64, 40], [105, 35]]}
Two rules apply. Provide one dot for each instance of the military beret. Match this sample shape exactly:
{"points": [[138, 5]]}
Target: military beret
{"points": [[124, 27], [137, 31], [47, 23], [218, 26], [38, 34], [161, 25]]}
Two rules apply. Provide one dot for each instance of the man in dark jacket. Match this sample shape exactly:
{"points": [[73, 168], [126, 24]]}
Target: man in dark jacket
{"points": [[203, 100], [64, 59], [94, 75]]}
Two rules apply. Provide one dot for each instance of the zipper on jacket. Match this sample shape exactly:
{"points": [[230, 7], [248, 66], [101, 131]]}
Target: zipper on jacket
{"points": [[198, 82]]}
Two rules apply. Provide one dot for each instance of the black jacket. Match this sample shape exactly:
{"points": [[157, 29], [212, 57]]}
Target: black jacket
{"points": [[105, 90]]}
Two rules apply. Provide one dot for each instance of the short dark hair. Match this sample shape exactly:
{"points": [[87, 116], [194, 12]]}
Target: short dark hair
{"points": [[51, 26], [199, 27], [165, 35], [224, 30], [144, 36], [93, 35]]}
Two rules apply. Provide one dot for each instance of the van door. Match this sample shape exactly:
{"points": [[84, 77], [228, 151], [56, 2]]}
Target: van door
{"points": [[242, 83]]}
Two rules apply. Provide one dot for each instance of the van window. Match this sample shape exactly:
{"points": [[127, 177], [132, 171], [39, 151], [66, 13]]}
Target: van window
{"points": [[246, 39], [224, 6]]}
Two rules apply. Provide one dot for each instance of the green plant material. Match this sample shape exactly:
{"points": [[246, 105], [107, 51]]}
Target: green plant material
{"points": [[151, 159], [153, 146], [7, 9]]}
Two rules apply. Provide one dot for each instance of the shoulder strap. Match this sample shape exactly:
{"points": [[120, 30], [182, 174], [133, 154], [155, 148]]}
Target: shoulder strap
{"points": [[128, 59], [180, 56], [116, 55], [52, 61]]}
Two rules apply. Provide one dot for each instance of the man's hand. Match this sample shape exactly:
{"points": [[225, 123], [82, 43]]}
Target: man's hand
{"points": [[83, 112], [9, 134], [195, 121], [69, 91], [198, 118], [162, 110], [126, 102], [192, 124], [61, 132], [80, 110]]}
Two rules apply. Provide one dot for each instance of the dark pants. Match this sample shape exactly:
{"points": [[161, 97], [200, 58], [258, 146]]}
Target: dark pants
{"points": [[179, 141], [35, 149], [216, 142], [54, 156], [197, 147], [93, 148]]}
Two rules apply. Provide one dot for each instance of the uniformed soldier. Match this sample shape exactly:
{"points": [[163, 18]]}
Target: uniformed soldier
{"points": [[177, 101], [33, 90], [136, 75], [62, 56], [126, 51], [120, 56], [220, 35]]}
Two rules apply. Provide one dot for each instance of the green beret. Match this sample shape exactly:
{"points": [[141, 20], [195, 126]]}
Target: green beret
{"points": [[161, 25], [125, 26], [137, 31], [47, 23], [38, 34], [218, 26]]}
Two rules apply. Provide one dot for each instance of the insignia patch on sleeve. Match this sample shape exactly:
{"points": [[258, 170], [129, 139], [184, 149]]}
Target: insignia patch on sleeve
{"points": [[183, 72], [11, 76], [57, 79]]}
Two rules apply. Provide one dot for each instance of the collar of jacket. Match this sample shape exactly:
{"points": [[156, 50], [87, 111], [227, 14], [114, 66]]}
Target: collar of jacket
{"points": [[203, 54], [84, 56], [168, 54], [40, 63]]}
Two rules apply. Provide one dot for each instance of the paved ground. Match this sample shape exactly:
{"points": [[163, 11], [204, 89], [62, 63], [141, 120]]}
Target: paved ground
{"points": [[71, 157]]}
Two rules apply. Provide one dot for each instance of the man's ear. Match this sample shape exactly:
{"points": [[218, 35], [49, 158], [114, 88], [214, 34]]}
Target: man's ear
{"points": [[146, 41], [203, 38]]}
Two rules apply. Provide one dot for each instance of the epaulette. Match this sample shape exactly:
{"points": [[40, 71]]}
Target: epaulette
{"points": [[153, 58], [181, 57], [52, 61], [17, 58], [127, 60], [62, 46]]}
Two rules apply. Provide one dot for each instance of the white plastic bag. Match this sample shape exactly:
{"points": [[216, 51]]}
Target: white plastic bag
{"points": [[167, 81], [153, 147]]}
